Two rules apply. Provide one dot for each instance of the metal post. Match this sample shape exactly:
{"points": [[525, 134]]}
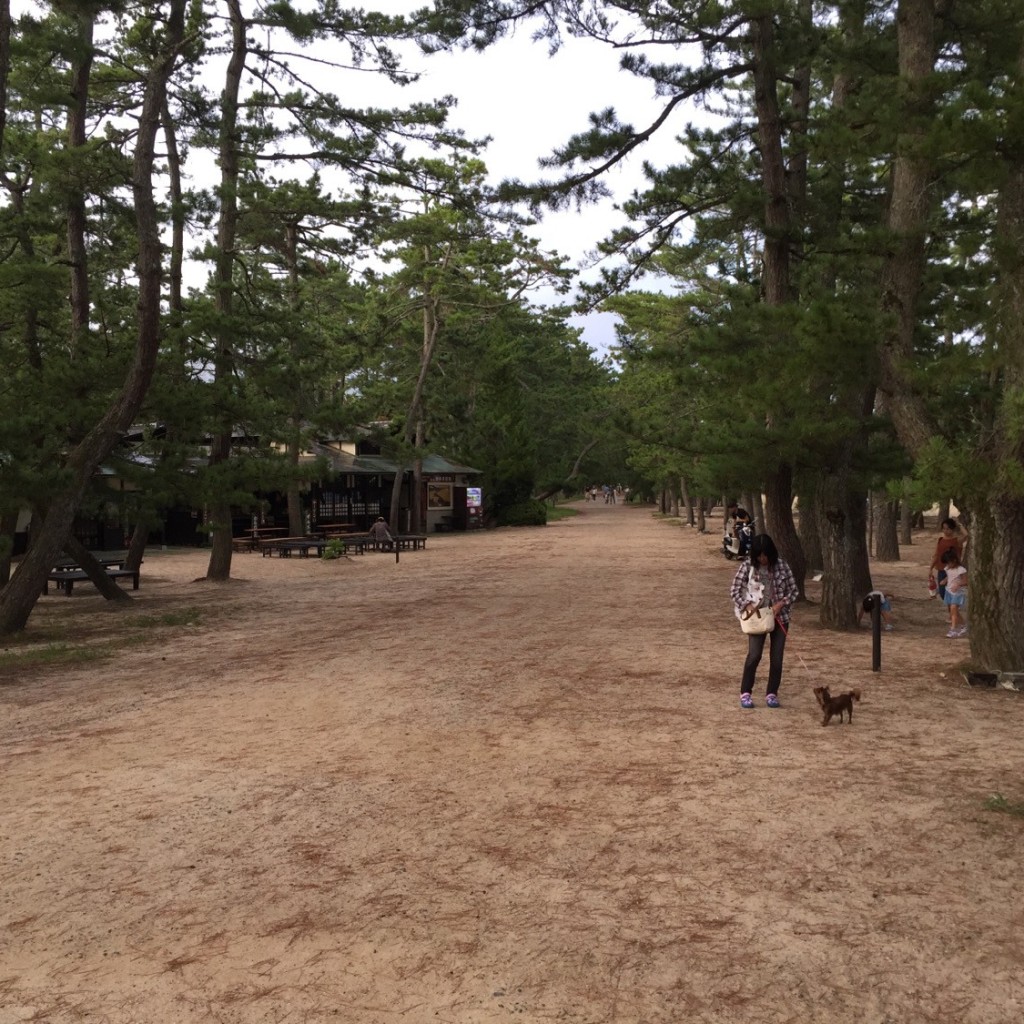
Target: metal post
{"points": [[875, 597]]}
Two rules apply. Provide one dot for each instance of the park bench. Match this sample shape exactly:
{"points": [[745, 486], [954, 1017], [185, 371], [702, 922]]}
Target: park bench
{"points": [[403, 541], [65, 579], [254, 539], [411, 541], [333, 530], [289, 546]]}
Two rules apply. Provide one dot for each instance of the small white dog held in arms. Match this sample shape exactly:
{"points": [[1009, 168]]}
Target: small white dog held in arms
{"points": [[753, 599]]}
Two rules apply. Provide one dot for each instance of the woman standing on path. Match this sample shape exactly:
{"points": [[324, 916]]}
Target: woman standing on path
{"points": [[764, 580], [952, 537]]}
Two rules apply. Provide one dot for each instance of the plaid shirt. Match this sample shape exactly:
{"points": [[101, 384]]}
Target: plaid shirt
{"points": [[783, 587]]}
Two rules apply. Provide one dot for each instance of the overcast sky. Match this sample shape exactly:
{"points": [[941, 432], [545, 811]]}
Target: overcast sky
{"points": [[530, 104]]}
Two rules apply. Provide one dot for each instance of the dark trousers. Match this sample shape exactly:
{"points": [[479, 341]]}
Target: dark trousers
{"points": [[755, 649]]}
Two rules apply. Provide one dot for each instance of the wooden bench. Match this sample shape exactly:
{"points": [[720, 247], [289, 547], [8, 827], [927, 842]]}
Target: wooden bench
{"points": [[332, 530], [65, 579], [286, 548], [335, 534], [267, 545], [403, 541], [411, 541], [108, 561]]}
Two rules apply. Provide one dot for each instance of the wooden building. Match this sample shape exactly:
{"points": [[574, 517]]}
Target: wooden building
{"points": [[357, 489], [353, 489]]}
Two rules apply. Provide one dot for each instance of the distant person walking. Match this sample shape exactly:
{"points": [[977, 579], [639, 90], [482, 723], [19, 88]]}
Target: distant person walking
{"points": [[764, 580]]}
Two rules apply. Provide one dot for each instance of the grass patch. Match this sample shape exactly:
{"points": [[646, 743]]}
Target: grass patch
{"points": [[560, 512], [52, 654], [668, 517], [998, 802], [23, 654], [184, 617]]}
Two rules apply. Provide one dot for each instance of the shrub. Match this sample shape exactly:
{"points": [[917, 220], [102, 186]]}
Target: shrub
{"points": [[524, 513], [334, 549]]}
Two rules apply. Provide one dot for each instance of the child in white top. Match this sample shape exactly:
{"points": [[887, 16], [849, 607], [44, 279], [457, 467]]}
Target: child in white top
{"points": [[955, 598]]}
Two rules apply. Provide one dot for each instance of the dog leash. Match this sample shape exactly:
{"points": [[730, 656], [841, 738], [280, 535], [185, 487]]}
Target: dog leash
{"points": [[785, 633]]}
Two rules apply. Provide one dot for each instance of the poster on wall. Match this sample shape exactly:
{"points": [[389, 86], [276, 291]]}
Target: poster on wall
{"points": [[439, 495]]}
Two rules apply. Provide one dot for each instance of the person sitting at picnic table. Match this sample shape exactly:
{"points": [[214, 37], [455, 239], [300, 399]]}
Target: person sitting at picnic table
{"points": [[380, 534]]}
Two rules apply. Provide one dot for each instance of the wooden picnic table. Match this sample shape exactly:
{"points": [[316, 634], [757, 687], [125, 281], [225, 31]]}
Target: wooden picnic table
{"points": [[250, 540], [287, 546], [65, 578], [339, 529], [108, 559]]}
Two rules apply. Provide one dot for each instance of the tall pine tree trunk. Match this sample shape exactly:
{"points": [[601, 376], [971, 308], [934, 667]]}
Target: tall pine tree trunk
{"points": [[416, 524], [810, 529], [910, 204], [840, 513], [8, 525], [76, 225], [137, 545], [219, 566], [19, 596], [755, 505], [296, 518], [883, 515], [778, 502], [687, 500], [837, 504], [5, 62], [995, 602], [996, 596], [997, 549], [431, 331], [782, 194], [906, 522]]}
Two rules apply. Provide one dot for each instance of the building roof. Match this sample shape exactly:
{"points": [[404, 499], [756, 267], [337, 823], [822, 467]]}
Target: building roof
{"points": [[377, 465]]}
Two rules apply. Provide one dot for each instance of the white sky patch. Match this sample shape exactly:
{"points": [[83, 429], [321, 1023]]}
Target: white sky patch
{"points": [[528, 101]]}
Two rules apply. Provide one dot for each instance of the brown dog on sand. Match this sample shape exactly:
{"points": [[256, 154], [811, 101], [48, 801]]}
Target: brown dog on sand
{"points": [[836, 705]]}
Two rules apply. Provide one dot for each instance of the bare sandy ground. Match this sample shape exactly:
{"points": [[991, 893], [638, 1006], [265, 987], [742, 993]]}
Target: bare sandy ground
{"points": [[506, 779]]}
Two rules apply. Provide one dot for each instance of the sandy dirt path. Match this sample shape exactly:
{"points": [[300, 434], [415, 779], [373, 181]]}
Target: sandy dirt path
{"points": [[506, 779]]}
